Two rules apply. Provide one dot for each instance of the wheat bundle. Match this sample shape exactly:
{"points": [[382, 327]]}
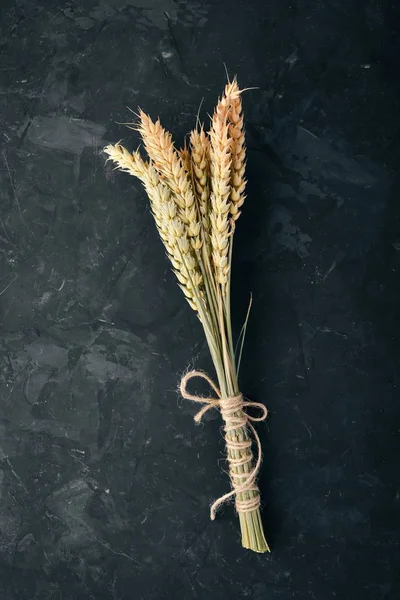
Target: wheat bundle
{"points": [[196, 195]]}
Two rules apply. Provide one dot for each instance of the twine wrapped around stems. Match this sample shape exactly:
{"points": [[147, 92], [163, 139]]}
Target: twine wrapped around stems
{"points": [[235, 417]]}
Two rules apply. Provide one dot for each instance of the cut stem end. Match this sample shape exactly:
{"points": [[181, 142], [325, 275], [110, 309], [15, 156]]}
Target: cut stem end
{"points": [[252, 531]]}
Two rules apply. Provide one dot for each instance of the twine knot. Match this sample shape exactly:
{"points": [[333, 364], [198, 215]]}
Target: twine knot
{"points": [[243, 473]]}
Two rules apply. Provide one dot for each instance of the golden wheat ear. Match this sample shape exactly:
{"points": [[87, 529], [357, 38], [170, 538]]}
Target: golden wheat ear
{"points": [[171, 229], [238, 149], [162, 153], [200, 167], [220, 166]]}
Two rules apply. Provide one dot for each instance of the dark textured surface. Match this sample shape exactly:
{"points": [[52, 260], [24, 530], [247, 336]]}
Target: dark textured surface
{"points": [[105, 481]]}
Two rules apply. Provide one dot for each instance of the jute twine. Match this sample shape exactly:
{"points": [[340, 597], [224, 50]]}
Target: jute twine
{"points": [[239, 453]]}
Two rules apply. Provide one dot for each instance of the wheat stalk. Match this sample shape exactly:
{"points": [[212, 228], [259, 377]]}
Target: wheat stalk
{"points": [[196, 194]]}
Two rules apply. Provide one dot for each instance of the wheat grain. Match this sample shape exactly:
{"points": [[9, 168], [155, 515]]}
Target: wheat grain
{"points": [[184, 155], [160, 148], [186, 266]]}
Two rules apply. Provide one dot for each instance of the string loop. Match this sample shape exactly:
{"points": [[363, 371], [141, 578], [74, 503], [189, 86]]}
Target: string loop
{"points": [[235, 416]]}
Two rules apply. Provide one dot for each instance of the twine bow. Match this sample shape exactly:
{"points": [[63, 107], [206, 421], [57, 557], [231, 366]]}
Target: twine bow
{"points": [[246, 493]]}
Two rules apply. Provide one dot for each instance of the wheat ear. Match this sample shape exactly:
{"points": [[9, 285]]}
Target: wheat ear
{"points": [[170, 228], [220, 162], [238, 150], [200, 159], [160, 148]]}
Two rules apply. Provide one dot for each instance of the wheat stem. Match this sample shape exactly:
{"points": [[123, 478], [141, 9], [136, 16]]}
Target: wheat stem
{"points": [[196, 194]]}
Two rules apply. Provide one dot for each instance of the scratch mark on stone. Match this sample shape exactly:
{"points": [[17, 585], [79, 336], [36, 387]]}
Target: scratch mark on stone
{"points": [[331, 268], [6, 288], [308, 429], [13, 186], [4, 457], [329, 330], [309, 132]]}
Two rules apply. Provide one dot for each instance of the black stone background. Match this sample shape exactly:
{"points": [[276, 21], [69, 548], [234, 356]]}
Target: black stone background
{"points": [[105, 481]]}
